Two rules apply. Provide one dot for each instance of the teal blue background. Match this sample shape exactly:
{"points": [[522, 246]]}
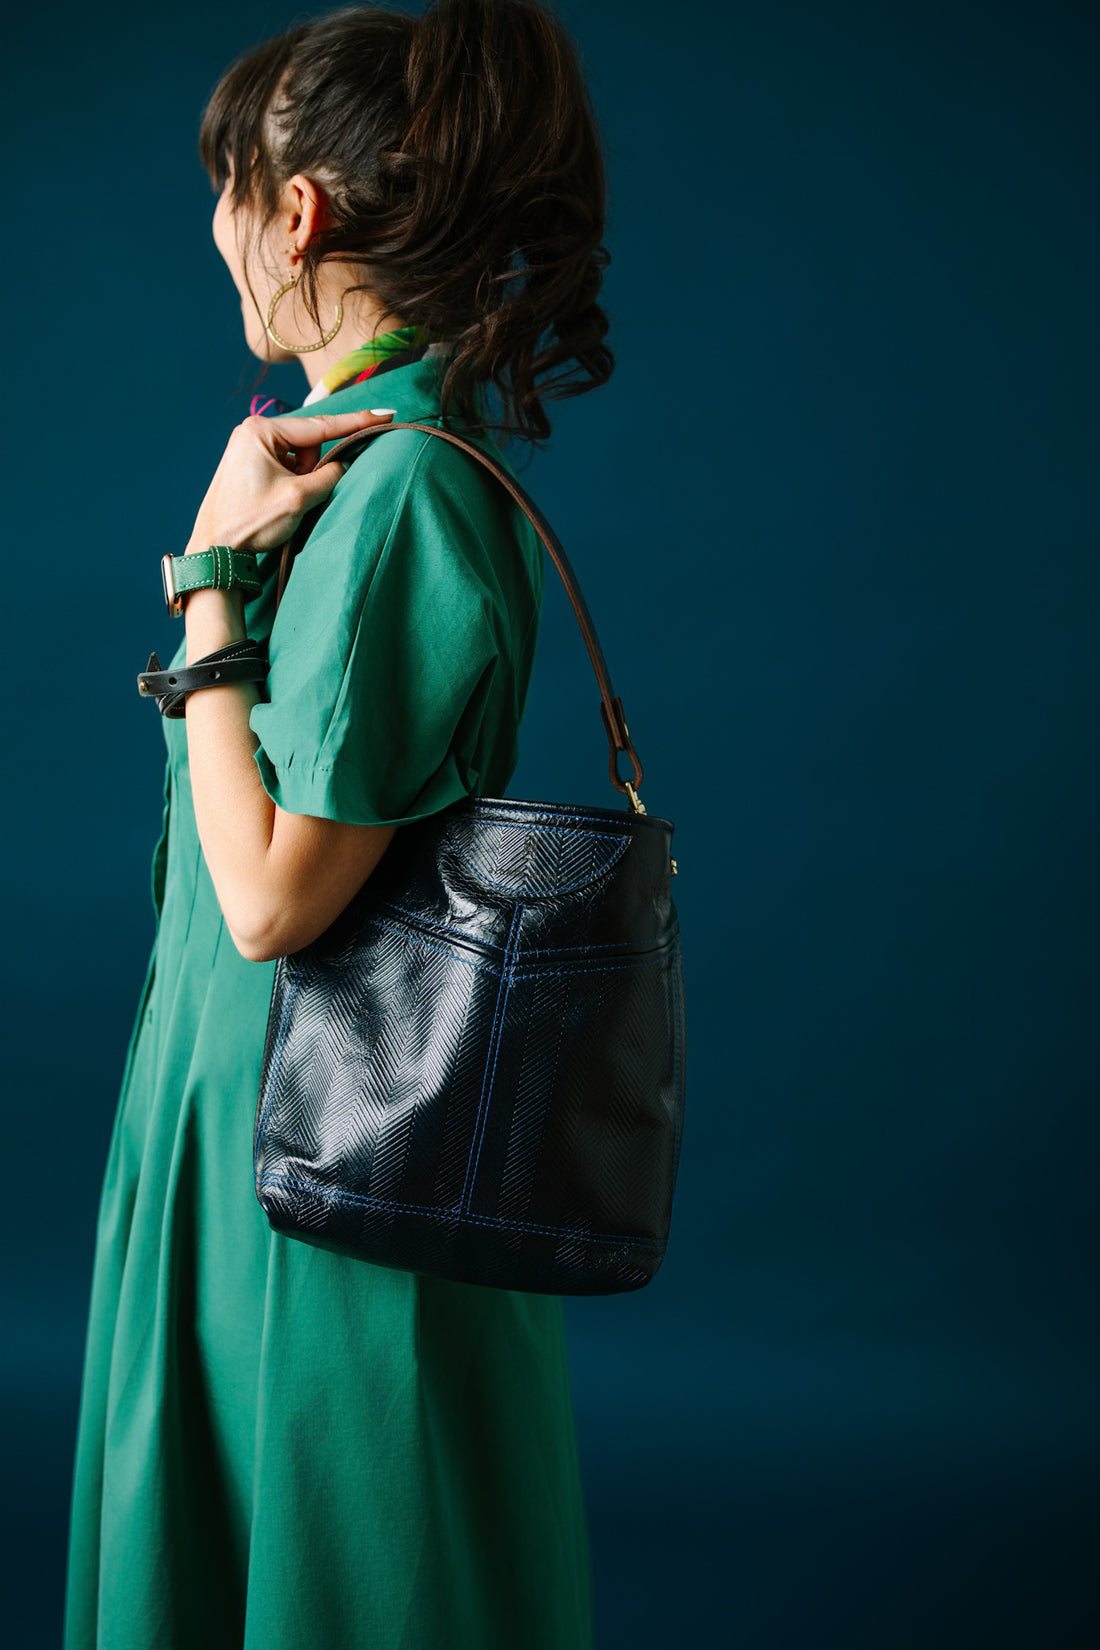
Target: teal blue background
{"points": [[836, 517]]}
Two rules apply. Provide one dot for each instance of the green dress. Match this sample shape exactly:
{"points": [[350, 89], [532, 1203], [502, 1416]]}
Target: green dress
{"points": [[281, 1448]]}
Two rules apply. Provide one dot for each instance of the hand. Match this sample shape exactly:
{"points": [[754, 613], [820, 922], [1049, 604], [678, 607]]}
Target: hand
{"points": [[269, 476]]}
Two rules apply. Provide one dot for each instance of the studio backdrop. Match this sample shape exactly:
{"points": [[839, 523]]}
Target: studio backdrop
{"points": [[836, 518]]}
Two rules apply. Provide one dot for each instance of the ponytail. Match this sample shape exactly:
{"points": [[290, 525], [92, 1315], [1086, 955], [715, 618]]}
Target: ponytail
{"points": [[463, 166]]}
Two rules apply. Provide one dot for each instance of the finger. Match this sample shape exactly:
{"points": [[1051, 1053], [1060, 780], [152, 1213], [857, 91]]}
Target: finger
{"points": [[316, 484], [299, 432]]}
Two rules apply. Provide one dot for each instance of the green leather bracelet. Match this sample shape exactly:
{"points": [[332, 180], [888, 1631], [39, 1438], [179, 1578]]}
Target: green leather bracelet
{"points": [[219, 568]]}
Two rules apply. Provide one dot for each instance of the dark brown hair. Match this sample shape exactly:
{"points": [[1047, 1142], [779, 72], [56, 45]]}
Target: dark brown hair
{"points": [[462, 163]]}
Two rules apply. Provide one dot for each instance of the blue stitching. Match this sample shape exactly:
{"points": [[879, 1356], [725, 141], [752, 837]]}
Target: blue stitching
{"points": [[544, 893], [627, 946], [491, 1054], [610, 825], [284, 1026], [443, 928], [558, 830], [526, 950], [339, 1196], [582, 968], [446, 951], [486, 1079], [511, 974]]}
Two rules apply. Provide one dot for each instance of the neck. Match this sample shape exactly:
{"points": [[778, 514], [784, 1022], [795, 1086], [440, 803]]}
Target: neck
{"points": [[362, 321]]}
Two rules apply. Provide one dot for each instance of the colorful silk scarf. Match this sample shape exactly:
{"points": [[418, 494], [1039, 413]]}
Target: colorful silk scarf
{"points": [[389, 349]]}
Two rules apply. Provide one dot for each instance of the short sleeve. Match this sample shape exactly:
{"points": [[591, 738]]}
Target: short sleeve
{"points": [[387, 647]]}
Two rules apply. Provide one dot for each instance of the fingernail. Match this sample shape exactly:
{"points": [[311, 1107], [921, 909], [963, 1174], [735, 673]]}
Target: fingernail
{"points": [[382, 412]]}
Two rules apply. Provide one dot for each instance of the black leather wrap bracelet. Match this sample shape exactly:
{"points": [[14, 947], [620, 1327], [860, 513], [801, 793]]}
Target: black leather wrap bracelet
{"points": [[243, 661]]}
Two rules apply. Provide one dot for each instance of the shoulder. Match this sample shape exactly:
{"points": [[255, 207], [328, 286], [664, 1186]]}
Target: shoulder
{"points": [[447, 509], [381, 476], [397, 458]]}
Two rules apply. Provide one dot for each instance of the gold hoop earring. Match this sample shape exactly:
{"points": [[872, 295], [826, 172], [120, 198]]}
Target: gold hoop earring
{"points": [[300, 349]]}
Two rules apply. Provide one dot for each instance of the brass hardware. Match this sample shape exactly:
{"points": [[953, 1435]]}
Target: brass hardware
{"points": [[283, 343], [675, 872], [639, 807]]}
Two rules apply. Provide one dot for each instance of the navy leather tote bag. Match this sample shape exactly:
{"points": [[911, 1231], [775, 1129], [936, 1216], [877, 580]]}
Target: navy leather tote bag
{"points": [[477, 1072]]}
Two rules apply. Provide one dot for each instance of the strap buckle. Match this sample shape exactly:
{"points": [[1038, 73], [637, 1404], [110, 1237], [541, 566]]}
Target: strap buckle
{"points": [[172, 599]]}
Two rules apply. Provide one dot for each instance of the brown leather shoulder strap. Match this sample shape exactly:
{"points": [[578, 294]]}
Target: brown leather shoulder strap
{"points": [[611, 708]]}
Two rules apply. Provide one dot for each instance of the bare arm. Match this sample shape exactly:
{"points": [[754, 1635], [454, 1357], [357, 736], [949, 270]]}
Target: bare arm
{"points": [[280, 878]]}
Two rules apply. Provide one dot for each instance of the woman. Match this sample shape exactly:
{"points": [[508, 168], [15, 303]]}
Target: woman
{"points": [[280, 1447]]}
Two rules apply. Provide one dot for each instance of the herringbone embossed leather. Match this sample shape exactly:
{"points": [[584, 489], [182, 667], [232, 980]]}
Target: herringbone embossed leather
{"points": [[478, 1071]]}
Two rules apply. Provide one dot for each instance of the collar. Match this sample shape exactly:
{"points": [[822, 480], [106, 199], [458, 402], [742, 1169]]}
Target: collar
{"points": [[391, 349], [411, 388]]}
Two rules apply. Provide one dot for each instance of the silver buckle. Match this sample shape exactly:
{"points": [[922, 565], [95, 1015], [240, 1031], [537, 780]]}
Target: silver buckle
{"points": [[172, 600]]}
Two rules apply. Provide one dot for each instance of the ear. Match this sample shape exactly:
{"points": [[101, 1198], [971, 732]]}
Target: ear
{"points": [[304, 211]]}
